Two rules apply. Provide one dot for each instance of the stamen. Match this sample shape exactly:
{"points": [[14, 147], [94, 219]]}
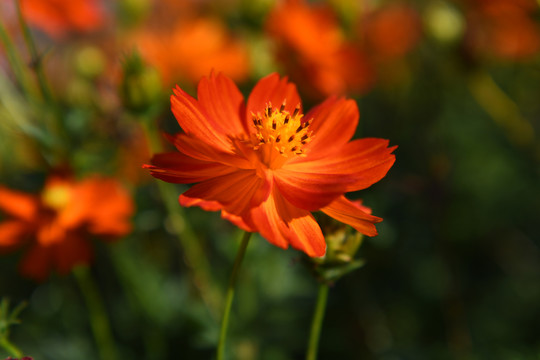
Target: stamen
{"points": [[275, 125]]}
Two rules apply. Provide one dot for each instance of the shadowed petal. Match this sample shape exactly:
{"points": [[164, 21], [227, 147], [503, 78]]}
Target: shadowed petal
{"points": [[198, 149], [203, 204], [310, 191], [282, 224], [181, 169], [37, 262], [236, 192], [352, 214], [274, 90]]}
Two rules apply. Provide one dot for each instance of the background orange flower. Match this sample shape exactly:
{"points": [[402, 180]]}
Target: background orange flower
{"points": [[56, 225], [58, 17]]}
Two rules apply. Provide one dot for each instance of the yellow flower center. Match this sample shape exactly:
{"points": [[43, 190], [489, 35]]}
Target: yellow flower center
{"points": [[280, 135], [56, 196]]}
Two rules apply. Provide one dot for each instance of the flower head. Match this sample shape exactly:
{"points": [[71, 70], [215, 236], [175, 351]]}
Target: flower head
{"points": [[58, 17], [57, 223], [502, 28], [192, 49], [313, 47], [267, 165]]}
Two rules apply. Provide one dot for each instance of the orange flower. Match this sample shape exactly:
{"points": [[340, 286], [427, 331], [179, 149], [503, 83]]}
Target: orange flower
{"points": [[504, 28], [313, 47], [392, 31], [192, 49], [57, 223], [58, 17], [266, 166]]}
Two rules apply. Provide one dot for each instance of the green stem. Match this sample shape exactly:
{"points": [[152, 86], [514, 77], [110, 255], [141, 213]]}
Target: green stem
{"points": [[36, 62], [316, 324], [15, 61], [194, 256], [35, 58], [98, 318], [502, 109], [10, 348], [230, 295]]}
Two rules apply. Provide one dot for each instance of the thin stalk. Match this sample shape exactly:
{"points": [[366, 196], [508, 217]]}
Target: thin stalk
{"points": [[10, 348], [194, 256], [35, 58], [56, 126], [316, 324], [97, 314], [230, 296], [502, 109], [15, 61]]}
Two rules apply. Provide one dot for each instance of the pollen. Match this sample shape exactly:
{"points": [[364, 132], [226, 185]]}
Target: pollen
{"points": [[56, 197], [280, 132]]}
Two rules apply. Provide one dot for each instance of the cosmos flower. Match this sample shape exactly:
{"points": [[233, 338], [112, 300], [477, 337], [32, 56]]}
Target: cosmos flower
{"points": [[192, 48], [391, 31], [58, 17], [311, 45], [266, 165], [57, 224], [503, 28]]}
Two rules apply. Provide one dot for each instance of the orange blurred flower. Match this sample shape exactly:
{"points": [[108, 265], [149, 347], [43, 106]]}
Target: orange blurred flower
{"points": [[391, 31], [315, 51], [59, 17], [504, 28], [266, 166], [57, 224], [192, 49]]}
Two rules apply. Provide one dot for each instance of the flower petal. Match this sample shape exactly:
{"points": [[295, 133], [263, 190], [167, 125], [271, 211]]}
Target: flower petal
{"points": [[366, 160], [236, 192], [37, 262], [223, 103], [18, 204], [352, 214], [310, 191], [111, 211], [333, 125], [281, 223], [181, 169], [272, 89], [195, 122], [70, 253], [200, 150], [12, 233], [187, 201]]}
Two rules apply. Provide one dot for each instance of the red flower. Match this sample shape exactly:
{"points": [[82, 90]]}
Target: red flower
{"points": [[266, 166], [192, 49], [57, 224], [504, 28], [59, 17], [312, 45]]}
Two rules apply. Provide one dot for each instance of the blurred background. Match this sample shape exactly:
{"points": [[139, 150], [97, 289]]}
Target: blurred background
{"points": [[455, 270]]}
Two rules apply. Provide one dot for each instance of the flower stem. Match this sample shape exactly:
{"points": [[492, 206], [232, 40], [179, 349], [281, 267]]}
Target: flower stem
{"points": [[10, 348], [230, 295], [98, 318], [316, 324]]}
